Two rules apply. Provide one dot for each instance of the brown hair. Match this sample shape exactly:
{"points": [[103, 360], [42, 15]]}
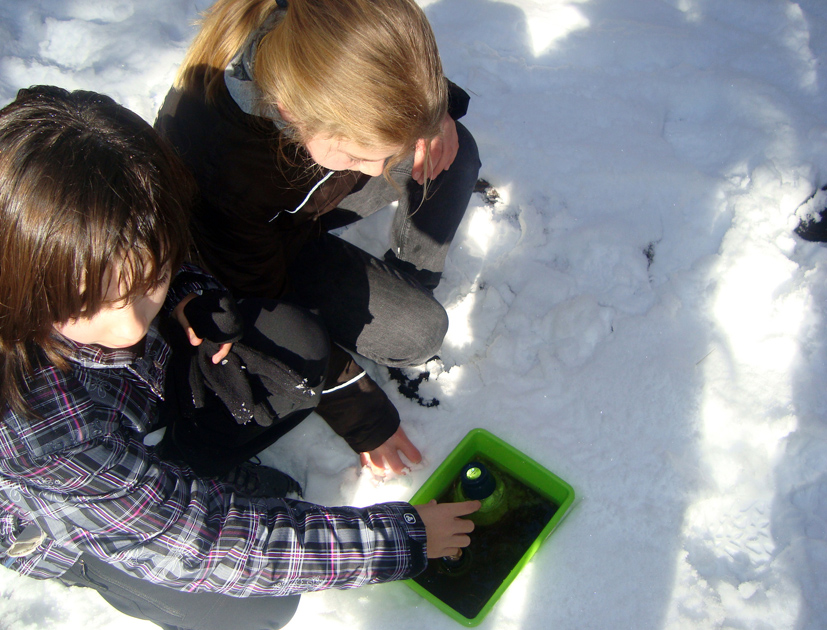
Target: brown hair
{"points": [[367, 71], [85, 184]]}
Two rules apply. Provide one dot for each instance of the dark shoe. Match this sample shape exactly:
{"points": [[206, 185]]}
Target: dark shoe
{"points": [[257, 481]]}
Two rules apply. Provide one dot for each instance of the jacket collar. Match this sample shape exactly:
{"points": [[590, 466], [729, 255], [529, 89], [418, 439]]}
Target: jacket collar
{"points": [[238, 77], [95, 357]]}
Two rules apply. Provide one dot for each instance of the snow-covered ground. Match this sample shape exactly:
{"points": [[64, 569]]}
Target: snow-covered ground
{"points": [[634, 313]]}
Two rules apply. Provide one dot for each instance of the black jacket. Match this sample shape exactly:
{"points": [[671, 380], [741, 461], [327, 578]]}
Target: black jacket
{"points": [[245, 229]]}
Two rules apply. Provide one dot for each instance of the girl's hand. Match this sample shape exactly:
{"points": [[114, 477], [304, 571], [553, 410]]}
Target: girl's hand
{"points": [[446, 531], [195, 340], [387, 455], [444, 149]]}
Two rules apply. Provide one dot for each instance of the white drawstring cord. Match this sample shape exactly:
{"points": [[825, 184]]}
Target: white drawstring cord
{"points": [[307, 198], [350, 382]]}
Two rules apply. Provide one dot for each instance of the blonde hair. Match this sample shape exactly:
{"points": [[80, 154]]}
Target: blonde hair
{"points": [[367, 71], [225, 27]]}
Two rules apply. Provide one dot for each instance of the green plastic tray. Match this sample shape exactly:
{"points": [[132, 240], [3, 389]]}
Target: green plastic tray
{"points": [[519, 466]]}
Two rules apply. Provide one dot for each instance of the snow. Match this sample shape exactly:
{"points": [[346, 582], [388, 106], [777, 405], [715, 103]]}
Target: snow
{"points": [[634, 313]]}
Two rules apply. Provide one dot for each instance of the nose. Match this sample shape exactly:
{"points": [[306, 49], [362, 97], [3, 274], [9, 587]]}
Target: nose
{"points": [[374, 169]]}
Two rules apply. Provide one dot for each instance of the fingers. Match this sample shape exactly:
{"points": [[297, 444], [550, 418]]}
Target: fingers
{"points": [[380, 463], [452, 547], [446, 529], [178, 312], [407, 447], [411, 452], [375, 462], [222, 353], [387, 456], [194, 339], [464, 508], [459, 537], [394, 462]]}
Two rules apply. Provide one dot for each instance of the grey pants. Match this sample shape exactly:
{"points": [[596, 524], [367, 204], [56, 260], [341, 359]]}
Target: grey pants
{"points": [[384, 309], [176, 610]]}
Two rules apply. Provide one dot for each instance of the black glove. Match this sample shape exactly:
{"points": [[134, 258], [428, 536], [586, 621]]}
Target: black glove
{"points": [[252, 385], [214, 316]]}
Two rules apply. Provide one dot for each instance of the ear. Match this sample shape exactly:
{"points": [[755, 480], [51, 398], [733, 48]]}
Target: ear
{"points": [[287, 116]]}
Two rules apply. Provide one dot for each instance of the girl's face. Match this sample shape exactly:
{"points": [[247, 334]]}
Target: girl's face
{"points": [[343, 155], [119, 324]]}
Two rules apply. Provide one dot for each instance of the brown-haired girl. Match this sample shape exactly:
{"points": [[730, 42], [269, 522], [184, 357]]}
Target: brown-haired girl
{"points": [[300, 116], [93, 208]]}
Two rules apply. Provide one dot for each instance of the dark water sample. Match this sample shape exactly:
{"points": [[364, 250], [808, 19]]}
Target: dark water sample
{"points": [[466, 584]]}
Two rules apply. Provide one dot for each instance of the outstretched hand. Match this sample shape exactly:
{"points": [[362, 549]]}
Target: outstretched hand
{"points": [[446, 531], [195, 340], [387, 455], [443, 150]]}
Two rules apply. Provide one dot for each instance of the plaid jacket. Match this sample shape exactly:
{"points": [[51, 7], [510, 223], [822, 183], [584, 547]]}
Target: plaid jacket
{"points": [[83, 475]]}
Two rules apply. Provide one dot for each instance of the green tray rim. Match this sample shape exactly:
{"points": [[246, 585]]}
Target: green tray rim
{"points": [[520, 466]]}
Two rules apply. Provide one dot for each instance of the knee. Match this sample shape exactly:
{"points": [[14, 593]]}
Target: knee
{"points": [[432, 338], [281, 612], [292, 334], [258, 613], [421, 337]]}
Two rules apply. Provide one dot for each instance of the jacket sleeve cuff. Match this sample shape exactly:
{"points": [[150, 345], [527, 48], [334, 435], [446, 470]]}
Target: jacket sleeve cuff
{"points": [[414, 528], [189, 279], [365, 422], [360, 412]]}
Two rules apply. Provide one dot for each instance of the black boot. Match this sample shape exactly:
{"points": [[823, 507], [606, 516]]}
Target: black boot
{"points": [[255, 480]]}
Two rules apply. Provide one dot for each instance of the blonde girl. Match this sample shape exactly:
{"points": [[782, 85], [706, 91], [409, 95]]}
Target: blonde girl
{"points": [[301, 116]]}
